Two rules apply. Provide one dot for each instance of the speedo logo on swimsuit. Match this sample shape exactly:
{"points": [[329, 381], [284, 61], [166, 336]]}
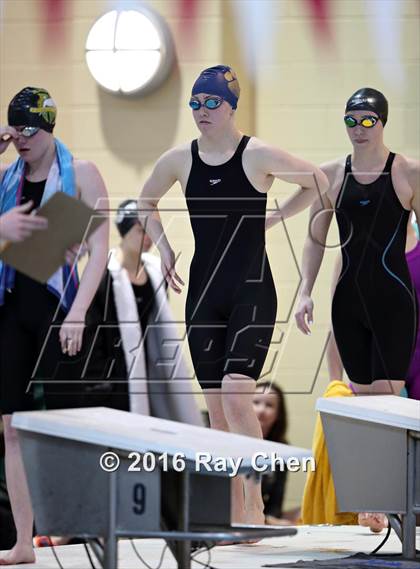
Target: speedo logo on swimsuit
{"points": [[214, 182], [364, 202]]}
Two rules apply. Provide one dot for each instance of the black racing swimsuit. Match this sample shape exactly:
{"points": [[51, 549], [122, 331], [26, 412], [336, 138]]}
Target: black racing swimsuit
{"points": [[29, 341], [231, 303], [374, 311]]}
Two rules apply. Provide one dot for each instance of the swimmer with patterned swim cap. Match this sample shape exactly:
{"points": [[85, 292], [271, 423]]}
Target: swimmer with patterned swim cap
{"points": [[374, 309], [231, 302], [30, 347], [35, 109]]}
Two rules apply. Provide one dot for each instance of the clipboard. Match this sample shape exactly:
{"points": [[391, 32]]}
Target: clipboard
{"points": [[70, 221]]}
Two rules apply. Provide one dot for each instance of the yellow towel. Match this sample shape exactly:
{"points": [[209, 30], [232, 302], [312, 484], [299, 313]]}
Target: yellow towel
{"points": [[319, 504]]}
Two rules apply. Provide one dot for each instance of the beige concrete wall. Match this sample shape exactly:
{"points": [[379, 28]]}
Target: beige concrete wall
{"points": [[295, 101]]}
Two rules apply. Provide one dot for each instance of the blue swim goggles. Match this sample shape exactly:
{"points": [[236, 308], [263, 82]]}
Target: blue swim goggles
{"points": [[210, 103]]}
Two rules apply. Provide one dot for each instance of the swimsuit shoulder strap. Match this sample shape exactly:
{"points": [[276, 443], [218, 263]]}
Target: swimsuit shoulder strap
{"points": [[389, 162], [194, 149], [241, 146], [347, 169]]}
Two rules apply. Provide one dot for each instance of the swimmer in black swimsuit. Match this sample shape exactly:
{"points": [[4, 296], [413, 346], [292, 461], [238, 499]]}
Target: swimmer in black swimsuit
{"points": [[229, 327], [28, 309], [374, 310], [231, 302]]}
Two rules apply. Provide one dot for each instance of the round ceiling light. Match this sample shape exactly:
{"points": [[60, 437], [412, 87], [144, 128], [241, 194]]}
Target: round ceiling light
{"points": [[129, 51]]}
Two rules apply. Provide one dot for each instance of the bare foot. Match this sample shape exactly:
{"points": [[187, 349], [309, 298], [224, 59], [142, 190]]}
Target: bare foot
{"points": [[62, 540], [50, 541], [42, 541], [273, 521], [376, 522], [18, 554], [255, 517], [250, 518]]}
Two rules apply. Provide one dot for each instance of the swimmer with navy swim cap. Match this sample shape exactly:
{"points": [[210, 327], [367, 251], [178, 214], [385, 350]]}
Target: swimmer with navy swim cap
{"points": [[225, 177], [220, 80]]}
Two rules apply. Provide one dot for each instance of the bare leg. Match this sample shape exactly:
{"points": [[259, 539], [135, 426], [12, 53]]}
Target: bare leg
{"points": [[334, 363], [237, 398], [377, 522], [218, 421], [386, 387], [335, 366], [17, 487], [379, 387]]}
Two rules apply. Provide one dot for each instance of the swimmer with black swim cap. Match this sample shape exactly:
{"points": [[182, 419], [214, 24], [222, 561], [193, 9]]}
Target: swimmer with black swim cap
{"points": [[228, 174], [368, 99], [372, 192], [374, 313]]}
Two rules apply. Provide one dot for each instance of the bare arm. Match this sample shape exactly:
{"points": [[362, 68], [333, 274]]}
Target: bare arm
{"points": [[334, 363], [413, 177], [162, 178], [313, 252], [311, 179], [94, 194]]}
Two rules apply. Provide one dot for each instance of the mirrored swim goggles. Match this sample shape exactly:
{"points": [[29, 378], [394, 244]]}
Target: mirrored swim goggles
{"points": [[367, 122], [26, 131], [210, 103]]}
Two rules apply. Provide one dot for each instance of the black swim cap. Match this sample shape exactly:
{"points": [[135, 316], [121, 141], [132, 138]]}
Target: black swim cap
{"points": [[127, 216], [220, 80], [32, 107], [368, 99]]}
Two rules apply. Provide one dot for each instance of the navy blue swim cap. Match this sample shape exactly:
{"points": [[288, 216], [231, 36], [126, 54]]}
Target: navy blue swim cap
{"points": [[368, 99], [219, 80]]}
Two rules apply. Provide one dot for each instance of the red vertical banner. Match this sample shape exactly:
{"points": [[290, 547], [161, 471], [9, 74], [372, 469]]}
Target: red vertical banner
{"points": [[54, 14], [188, 8], [187, 12], [320, 11]]}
